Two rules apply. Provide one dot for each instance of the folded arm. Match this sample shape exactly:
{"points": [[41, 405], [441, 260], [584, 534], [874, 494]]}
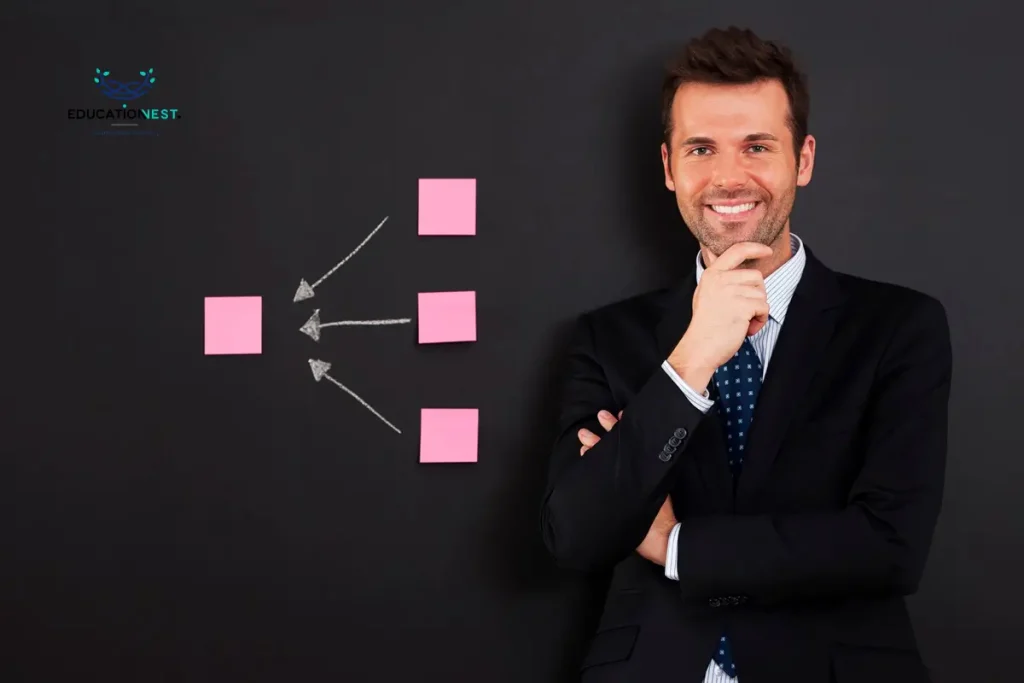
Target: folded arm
{"points": [[597, 509], [880, 541]]}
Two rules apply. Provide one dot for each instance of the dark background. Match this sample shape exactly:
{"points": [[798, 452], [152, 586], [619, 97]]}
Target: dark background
{"points": [[169, 516]]}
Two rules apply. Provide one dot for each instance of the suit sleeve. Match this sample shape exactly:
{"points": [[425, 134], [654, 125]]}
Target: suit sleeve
{"points": [[878, 543], [598, 508], [702, 403]]}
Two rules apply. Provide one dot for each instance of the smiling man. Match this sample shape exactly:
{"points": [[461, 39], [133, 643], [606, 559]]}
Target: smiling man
{"points": [[757, 453], [731, 160]]}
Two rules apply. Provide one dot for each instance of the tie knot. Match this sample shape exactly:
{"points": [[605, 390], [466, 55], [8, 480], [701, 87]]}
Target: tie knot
{"points": [[744, 359]]}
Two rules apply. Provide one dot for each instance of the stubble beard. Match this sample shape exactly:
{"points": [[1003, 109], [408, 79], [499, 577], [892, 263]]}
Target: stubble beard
{"points": [[767, 230]]}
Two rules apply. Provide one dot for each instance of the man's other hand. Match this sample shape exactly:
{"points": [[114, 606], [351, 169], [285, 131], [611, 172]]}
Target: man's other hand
{"points": [[655, 545]]}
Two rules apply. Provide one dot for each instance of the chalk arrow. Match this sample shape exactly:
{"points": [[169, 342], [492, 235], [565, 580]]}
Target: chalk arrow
{"points": [[305, 290], [313, 326], [320, 369]]}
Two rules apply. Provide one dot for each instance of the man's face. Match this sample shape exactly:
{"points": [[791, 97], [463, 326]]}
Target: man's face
{"points": [[731, 164]]}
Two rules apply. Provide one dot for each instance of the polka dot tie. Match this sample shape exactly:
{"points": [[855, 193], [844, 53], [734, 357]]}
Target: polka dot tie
{"points": [[738, 382]]}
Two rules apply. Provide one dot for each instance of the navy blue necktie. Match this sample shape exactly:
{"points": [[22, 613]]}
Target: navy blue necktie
{"points": [[738, 382]]}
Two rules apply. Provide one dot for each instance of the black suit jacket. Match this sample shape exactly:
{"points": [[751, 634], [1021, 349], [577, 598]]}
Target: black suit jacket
{"points": [[805, 562]]}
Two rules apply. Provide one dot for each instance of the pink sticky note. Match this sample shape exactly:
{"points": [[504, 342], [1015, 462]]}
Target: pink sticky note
{"points": [[447, 206], [449, 434], [447, 317], [234, 325]]}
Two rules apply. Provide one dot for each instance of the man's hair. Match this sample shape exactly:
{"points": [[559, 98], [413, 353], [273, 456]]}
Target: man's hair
{"points": [[735, 56]]}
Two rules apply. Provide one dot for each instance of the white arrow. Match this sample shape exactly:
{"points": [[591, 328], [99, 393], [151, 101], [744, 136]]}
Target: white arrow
{"points": [[313, 326], [305, 290], [320, 369]]}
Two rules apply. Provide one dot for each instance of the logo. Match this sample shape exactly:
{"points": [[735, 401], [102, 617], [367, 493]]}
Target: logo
{"points": [[133, 110], [116, 90]]}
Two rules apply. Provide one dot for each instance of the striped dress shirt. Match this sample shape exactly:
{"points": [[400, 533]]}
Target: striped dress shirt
{"points": [[779, 287]]}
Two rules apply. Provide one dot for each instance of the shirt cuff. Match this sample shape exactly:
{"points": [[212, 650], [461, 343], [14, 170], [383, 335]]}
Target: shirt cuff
{"points": [[672, 554], [699, 401]]}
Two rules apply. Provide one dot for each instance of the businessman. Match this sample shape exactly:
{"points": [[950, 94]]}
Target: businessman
{"points": [[757, 453]]}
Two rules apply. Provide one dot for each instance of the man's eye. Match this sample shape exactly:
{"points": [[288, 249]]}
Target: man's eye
{"points": [[699, 150], [759, 148]]}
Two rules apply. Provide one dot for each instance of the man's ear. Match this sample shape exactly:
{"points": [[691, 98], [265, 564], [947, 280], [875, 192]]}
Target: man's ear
{"points": [[666, 163], [805, 161]]}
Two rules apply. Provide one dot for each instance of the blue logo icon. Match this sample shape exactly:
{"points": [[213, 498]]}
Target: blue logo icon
{"points": [[130, 118], [124, 91]]}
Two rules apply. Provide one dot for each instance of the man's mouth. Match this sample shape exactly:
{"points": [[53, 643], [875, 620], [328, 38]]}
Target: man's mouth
{"points": [[733, 209]]}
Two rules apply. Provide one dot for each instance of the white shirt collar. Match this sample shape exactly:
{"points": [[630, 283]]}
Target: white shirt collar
{"points": [[780, 285]]}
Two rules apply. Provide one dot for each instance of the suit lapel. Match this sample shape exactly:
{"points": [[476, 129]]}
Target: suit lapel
{"points": [[798, 353], [677, 311], [708, 444]]}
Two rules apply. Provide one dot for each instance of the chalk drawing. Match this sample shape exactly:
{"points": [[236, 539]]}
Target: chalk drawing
{"points": [[320, 369], [313, 326], [305, 290]]}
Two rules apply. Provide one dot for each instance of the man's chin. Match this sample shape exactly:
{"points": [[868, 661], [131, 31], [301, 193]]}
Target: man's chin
{"points": [[718, 244], [720, 237]]}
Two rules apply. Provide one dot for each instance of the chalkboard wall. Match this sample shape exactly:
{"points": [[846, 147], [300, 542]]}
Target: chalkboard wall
{"points": [[174, 516]]}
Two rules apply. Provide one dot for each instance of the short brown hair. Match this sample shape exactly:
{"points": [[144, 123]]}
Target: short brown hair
{"points": [[737, 56]]}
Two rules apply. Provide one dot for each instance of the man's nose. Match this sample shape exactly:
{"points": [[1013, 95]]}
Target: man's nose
{"points": [[729, 173]]}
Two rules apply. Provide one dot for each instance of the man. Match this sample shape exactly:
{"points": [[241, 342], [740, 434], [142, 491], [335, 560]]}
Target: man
{"points": [[763, 445]]}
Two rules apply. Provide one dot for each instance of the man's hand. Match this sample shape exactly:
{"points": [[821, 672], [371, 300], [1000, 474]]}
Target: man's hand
{"points": [[588, 438], [729, 304], [655, 545]]}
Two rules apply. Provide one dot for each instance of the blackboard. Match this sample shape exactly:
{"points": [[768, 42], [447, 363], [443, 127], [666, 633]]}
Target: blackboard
{"points": [[177, 516]]}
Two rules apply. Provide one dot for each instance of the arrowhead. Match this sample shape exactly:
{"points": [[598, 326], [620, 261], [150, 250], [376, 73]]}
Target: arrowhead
{"points": [[319, 368], [312, 326], [303, 292]]}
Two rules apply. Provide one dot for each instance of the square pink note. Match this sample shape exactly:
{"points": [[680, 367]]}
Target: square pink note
{"points": [[447, 317], [447, 206], [449, 434], [234, 325]]}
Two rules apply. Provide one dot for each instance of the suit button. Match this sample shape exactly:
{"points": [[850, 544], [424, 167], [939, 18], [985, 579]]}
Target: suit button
{"points": [[715, 602], [674, 441], [665, 455], [680, 433]]}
